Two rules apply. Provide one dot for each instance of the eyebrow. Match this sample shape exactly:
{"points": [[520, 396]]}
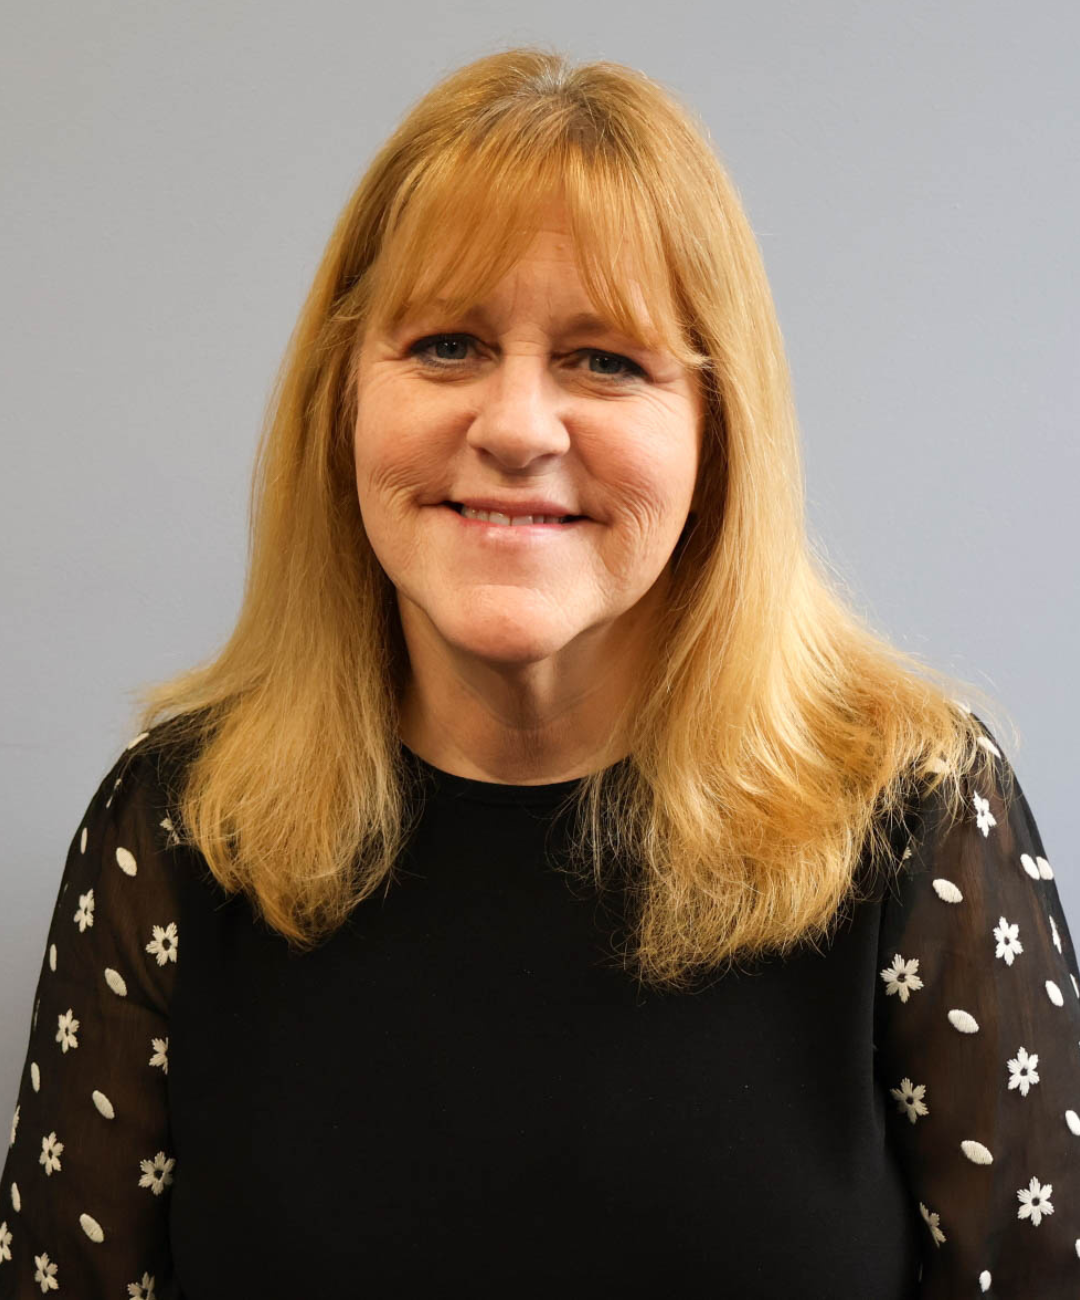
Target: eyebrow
{"points": [[584, 322]]}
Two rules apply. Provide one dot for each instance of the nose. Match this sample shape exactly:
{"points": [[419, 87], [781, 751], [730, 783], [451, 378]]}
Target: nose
{"points": [[518, 421]]}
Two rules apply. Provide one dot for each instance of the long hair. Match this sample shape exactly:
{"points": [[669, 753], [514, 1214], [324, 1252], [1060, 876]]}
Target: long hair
{"points": [[774, 736]]}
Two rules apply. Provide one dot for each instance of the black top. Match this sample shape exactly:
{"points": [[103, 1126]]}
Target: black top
{"points": [[461, 1093]]}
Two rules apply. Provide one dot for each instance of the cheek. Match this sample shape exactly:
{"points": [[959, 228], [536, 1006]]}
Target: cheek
{"points": [[650, 484]]}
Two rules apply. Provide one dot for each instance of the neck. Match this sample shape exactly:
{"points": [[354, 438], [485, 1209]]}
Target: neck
{"points": [[522, 724]]}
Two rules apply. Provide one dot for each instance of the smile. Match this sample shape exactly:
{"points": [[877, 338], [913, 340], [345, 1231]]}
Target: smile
{"points": [[490, 522]]}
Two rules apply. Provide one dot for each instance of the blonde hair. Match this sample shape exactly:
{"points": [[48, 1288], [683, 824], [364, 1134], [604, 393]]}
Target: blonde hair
{"points": [[774, 738]]}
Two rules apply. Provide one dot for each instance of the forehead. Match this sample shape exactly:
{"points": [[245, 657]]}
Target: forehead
{"points": [[546, 285], [584, 264]]}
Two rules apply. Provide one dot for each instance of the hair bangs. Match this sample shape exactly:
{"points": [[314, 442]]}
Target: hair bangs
{"points": [[469, 219]]}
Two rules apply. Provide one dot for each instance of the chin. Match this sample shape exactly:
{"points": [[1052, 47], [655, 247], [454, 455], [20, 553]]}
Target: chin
{"points": [[503, 637]]}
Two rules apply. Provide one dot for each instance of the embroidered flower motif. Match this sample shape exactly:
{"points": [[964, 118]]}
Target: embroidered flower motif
{"points": [[983, 816], [66, 1034], [14, 1126], [909, 1098], [5, 1242], [161, 1053], [900, 977], [1008, 944], [1054, 931], [50, 1153], [1022, 1069], [85, 915], [157, 1173], [143, 1290], [1036, 1201], [45, 1276], [163, 944], [932, 1222], [171, 838]]}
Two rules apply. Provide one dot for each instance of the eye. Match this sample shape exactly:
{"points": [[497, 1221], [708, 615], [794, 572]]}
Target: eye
{"points": [[422, 348]]}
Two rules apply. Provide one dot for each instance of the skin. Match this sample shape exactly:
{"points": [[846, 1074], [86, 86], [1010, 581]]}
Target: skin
{"points": [[521, 654]]}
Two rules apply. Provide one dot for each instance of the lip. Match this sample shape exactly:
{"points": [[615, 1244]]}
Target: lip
{"points": [[525, 506]]}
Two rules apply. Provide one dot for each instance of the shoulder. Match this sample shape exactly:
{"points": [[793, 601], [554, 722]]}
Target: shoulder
{"points": [[135, 799], [969, 802]]}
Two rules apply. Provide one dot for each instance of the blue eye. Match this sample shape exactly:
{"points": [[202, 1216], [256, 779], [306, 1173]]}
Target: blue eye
{"points": [[422, 349]]}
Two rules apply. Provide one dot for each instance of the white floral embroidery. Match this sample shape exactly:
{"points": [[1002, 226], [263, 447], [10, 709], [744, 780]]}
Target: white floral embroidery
{"points": [[909, 1098], [1036, 1201], [900, 977], [157, 1173], [1022, 1070], [66, 1034], [932, 1222], [5, 1242], [50, 1153], [143, 1290], [85, 915], [161, 1053], [1008, 943], [163, 944], [45, 1276], [14, 1126], [983, 816], [171, 839]]}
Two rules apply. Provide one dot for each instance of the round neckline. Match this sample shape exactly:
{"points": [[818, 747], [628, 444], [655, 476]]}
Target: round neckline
{"points": [[497, 792]]}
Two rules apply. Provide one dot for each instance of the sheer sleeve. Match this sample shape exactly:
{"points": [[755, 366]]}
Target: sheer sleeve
{"points": [[978, 1038], [86, 1181]]}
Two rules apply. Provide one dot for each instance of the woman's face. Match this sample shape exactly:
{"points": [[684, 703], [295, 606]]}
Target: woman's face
{"points": [[519, 408]]}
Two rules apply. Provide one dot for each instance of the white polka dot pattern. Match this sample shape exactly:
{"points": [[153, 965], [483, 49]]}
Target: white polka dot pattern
{"points": [[93, 1097], [978, 1058], [979, 1047]]}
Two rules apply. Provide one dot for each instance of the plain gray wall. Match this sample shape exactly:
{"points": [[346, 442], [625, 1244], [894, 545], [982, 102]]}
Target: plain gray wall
{"points": [[171, 173]]}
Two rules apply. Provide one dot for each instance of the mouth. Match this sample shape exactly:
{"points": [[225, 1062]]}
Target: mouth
{"points": [[495, 517]]}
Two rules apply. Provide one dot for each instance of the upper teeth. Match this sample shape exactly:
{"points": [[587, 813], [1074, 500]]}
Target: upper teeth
{"points": [[494, 517]]}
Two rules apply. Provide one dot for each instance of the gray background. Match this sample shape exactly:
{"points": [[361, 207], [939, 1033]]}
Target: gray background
{"points": [[172, 172]]}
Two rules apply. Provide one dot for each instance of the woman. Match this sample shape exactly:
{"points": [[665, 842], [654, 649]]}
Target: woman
{"points": [[576, 897]]}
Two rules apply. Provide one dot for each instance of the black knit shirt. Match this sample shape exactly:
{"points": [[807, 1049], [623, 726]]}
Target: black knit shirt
{"points": [[462, 1093]]}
